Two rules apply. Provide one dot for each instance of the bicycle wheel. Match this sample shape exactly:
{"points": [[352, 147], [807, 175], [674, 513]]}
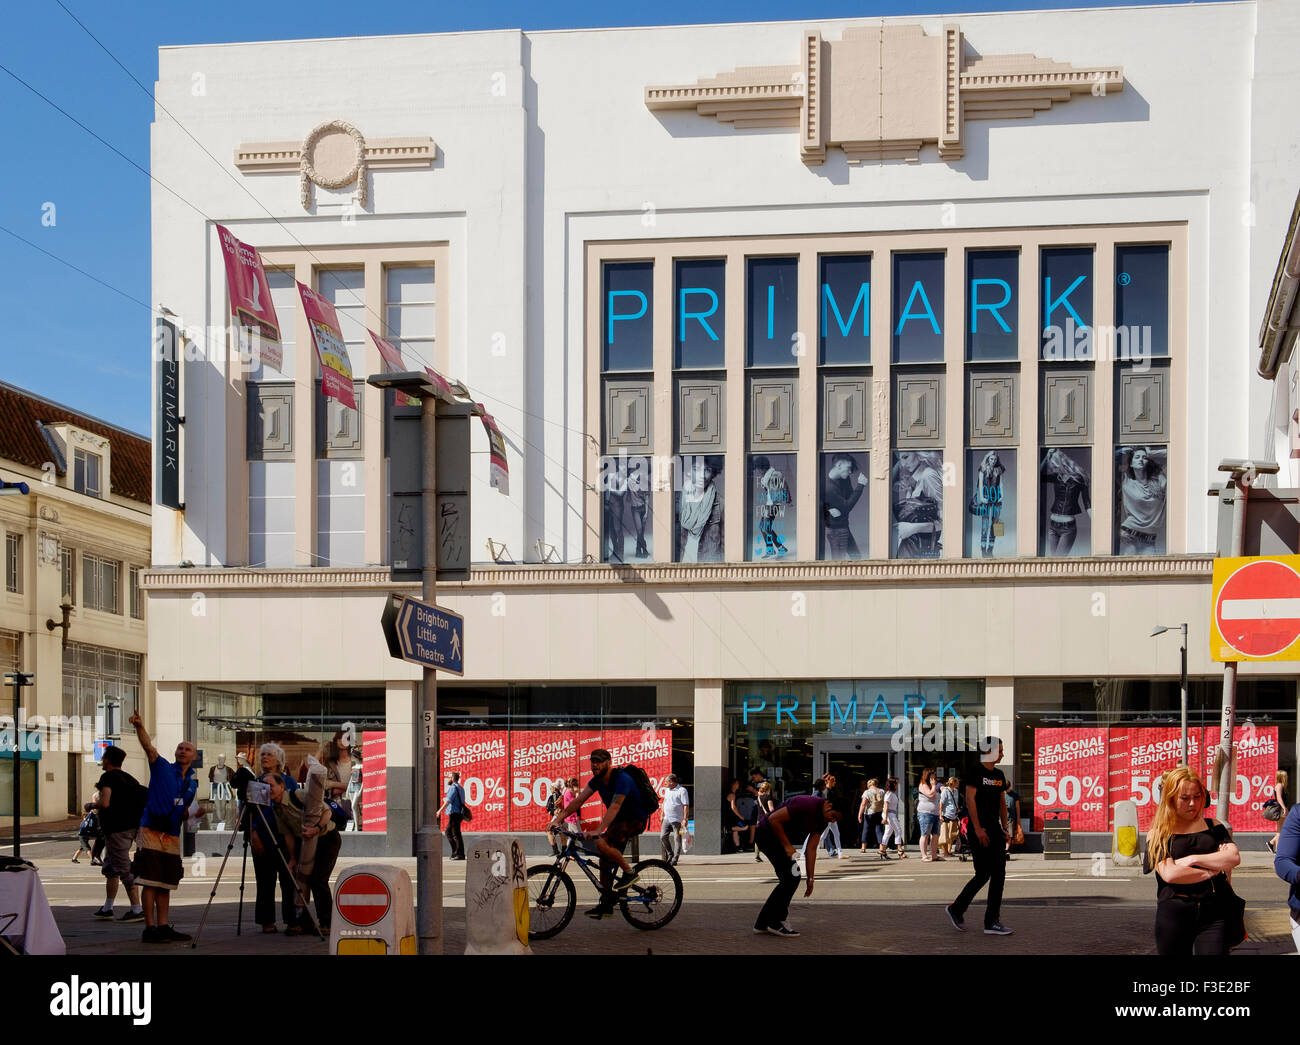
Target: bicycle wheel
{"points": [[551, 900], [653, 902]]}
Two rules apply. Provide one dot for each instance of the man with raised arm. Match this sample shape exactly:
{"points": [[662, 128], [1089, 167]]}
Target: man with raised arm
{"points": [[172, 786]]}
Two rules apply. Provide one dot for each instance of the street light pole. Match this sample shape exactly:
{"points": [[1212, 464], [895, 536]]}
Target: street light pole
{"points": [[1160, 629], [18, 679], [429, 843]]}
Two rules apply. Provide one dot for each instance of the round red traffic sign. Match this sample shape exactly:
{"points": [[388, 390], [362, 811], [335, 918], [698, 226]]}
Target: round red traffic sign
{"points": [[363, 899], [1258, 608]]}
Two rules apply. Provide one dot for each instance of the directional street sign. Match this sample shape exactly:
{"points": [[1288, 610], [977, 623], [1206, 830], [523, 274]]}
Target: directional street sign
{"points": [[423, 634], [1256, 609]]}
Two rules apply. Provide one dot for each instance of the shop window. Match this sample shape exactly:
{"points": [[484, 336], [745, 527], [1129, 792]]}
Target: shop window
{"points": [[698, 509], [1065, 501], [410, 312], [916, 487], [991, 503], [627, 516], [844, 515], [771, 531]]}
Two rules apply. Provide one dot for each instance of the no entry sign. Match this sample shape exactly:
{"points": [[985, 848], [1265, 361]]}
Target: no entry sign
{"points": [[1256, 609], [363, 899]]}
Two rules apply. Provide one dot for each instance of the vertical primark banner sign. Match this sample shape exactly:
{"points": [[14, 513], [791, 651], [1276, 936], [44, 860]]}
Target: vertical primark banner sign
{"points": [[167, 430]]}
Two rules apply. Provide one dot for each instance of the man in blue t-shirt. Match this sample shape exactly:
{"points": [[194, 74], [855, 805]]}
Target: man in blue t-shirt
{"points": [[454, 805], [625, 817], [157, 864]]}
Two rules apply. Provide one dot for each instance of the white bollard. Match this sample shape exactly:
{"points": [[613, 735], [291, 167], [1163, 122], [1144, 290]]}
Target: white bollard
{"points": [[374, 911], [496, 896], [1124, 846]]}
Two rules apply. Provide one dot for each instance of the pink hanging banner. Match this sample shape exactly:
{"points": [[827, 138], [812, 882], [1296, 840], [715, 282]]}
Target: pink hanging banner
{"points": [[335, 369], [250, 296], [496, 451], [393, 364]]}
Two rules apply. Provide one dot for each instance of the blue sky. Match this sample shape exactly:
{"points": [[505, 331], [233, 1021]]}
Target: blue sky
{"points": [[75, 341]]}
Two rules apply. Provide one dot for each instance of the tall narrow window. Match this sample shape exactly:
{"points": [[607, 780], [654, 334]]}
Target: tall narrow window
{"points": [[918, 308], [100, 579], [699, 314], [844, 309], [1141, 302], [284, 295], [13, 562], [992, 304], [627, 315], [410, 312], [270, 513], [772, 308], [68, 570], [137, 596], [85, 473], [1065, 303]]}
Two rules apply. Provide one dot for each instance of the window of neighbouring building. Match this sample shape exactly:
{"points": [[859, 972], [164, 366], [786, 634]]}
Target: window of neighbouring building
{"points": [[100, 583], [86, 472]]}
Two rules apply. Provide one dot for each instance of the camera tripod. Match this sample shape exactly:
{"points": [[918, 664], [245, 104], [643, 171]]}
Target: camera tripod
{"points": [[244, 825]]}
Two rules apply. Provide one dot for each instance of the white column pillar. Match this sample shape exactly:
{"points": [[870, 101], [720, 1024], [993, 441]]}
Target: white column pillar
{"points": [[1000, 708], [710, 759], [403, 788]]}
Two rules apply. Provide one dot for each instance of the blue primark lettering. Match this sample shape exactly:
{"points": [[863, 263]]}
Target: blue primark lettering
{"points": [[917, 288], [781, 709], [949, 704], [771, 308], [975, 305], [701, 316], [880, 706], [908, 698], [862, 301], [745, 709], [624, 293], [1064, 299], [844, 713]]}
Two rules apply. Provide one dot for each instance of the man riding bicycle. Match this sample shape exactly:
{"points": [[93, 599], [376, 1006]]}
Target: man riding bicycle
{"points": [[624, 819]]}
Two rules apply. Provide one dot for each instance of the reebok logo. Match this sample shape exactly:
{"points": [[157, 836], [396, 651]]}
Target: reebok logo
{"points": [[102, 999]]}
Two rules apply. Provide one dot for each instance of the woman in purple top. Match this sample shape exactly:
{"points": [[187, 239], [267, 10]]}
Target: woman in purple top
{"points": [[803, 817]]}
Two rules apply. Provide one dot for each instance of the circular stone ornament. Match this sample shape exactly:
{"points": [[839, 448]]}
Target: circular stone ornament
{"points": [[333, 156]]}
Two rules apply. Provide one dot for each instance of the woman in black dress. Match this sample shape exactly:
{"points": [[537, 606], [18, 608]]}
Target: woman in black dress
{"points": [[1191, 855]]}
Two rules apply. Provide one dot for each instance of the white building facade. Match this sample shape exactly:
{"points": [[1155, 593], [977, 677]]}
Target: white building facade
{"points": [[855, 371]]}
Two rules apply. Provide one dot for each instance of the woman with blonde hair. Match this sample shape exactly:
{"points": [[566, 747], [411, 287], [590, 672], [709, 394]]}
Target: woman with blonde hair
{"points": [[1278, 796], [1191, 855]]}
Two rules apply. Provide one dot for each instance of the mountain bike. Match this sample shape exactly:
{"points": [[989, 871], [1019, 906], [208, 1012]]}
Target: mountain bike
{"points": [[651, 903]]}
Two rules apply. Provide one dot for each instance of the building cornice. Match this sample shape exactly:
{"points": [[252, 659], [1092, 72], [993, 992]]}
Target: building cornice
{"points": [[1194, 568]]}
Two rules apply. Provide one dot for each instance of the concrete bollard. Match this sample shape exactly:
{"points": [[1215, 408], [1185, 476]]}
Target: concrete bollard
{"points": [[374, 911], [496, 896], [1124, 847]]}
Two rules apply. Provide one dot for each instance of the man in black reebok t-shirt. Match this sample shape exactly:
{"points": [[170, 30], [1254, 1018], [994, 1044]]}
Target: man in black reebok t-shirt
{"points": [[983, 785]]}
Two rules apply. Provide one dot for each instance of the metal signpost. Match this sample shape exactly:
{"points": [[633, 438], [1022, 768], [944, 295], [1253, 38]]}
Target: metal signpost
{"points": [[424, 649]]}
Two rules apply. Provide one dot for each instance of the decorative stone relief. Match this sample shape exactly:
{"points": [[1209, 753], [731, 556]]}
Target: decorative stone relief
{"points": [[700, 428], [1067, 407], [334, 154], [47, 549], [992, 408], [846, 413], [627, 416], [918, 408], [883, 92], [771, 413], [1143, 404]]}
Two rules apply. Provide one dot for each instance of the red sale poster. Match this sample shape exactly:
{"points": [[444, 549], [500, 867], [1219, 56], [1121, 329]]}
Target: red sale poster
{"points": [[594, 809], [335, 369], [250, 296], [651, 749], [374, 783], [1139, 757], [481, 759], [1070, 773], [1253, 777], [538, 758]]}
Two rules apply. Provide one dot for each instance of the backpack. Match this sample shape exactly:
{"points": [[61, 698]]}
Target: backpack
{"points": [[137, 795], [646, 795]]}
